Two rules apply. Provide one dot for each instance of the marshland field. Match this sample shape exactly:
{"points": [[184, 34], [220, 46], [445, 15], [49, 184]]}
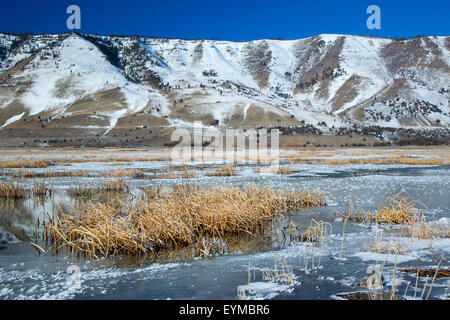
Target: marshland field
{"points": [[326, 224]]}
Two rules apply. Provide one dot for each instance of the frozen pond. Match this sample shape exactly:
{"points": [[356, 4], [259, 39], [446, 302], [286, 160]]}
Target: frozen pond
{"points": [[319, 271]]}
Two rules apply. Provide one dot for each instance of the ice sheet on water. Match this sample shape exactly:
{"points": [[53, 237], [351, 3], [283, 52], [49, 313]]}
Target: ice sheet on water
{"points": [[264, 290]]}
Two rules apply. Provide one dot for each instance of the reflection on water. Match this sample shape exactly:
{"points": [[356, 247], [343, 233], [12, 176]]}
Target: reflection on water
{"points": [[16, 217]]}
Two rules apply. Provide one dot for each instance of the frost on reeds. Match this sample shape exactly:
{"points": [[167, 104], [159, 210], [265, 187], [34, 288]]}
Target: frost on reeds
{"points": [[12, 190], [427, 230], [281, 278], [283, 274], [174, 218]]}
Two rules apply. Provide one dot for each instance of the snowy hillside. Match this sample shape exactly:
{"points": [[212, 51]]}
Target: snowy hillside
{"points": [[79, 80]]}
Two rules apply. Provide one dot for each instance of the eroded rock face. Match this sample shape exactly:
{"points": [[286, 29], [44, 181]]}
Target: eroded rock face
{"points": [[257, 58], [317, 62]]}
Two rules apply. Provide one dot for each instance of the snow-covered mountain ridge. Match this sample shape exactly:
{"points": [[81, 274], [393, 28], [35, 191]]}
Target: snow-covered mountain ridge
{"points": [[328, 81]]}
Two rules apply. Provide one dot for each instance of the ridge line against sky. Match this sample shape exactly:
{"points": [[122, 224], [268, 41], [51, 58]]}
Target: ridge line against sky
{"points": [[232, 20]]}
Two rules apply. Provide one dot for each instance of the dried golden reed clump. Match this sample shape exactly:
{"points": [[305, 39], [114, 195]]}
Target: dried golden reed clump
{"points": [[117, 185], [172, 218], [284, 170], [396, 210], [125, 173], [48, 174], [188, 174], [316, 232], [292, 145], [225, 171], [25, 164]]}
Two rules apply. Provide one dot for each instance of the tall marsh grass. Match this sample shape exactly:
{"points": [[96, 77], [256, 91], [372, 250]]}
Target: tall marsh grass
{"points": [[40, 189], [11, 190], [25, 164], [136, 174], [172, 218], [387, 160], [395, 210], [48, 174], [109, 188]]}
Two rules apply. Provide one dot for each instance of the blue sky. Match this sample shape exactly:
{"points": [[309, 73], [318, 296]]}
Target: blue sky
{"points": [[238, 20]]}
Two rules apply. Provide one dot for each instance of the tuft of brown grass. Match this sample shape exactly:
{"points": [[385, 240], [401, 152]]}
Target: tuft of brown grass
{"points": [[48, 174], [110, 186], [442, 273], [368, 296], [188, 174], [284, 170], [384, 247], [316, 232], [174, 218], [308, 198], [422, 229], [395, 210], [118, 160], [386, 160], [225, 171], [167, 174], [283, 274], [82, 191], [40, 189], [398, 210], [115, 186], [25, 164], [421, 161], [343, 161], [125, 173], [292, 145]]}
